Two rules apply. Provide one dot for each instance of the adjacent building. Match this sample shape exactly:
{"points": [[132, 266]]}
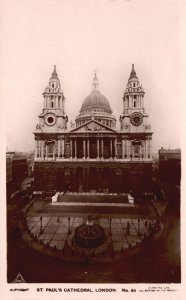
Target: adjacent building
{"points": [[93, 155], [170, 165], [8, 169], [16, 167]]}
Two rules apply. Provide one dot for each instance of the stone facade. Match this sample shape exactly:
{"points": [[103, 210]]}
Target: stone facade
{"points": [[93, 155]]}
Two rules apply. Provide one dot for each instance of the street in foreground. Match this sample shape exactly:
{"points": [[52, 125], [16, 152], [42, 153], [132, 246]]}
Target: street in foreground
{"points": [[159, 262]]}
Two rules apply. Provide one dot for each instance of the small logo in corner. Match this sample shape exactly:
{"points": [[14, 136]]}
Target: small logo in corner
{"points": [[19, 279]]}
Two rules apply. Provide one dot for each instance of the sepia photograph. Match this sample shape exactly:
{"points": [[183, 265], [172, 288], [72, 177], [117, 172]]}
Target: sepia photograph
{"points": [[91, 114]]}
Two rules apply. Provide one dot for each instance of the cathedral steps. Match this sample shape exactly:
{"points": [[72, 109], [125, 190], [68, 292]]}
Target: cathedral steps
{"points": [[102, 203], [93, 198]]}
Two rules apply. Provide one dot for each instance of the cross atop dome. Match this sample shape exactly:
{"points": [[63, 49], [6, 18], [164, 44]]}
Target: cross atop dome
{"points": [[95, 84]]}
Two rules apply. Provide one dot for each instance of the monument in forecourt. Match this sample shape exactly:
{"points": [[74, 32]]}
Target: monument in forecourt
{"points": [[92, 156]]}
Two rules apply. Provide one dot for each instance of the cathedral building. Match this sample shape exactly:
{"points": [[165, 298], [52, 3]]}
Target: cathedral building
{"points": [[92, 156]]}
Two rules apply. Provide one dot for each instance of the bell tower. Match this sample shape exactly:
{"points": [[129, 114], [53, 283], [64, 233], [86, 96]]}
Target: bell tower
{"points": [[134, 120], [52, 122], [53, 118]]}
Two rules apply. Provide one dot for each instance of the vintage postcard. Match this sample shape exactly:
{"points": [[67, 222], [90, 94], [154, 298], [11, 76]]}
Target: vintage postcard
{"points": [[92, 148]]}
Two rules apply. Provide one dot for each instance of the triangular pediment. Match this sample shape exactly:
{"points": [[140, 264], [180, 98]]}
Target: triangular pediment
{"points": [[92, 126]]}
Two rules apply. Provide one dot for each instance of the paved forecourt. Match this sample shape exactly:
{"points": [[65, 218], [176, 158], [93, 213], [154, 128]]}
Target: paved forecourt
{"points": [[54, 230]]}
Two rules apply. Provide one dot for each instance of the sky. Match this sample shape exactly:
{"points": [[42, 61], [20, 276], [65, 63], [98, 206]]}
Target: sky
{"points": [[80, 37]]}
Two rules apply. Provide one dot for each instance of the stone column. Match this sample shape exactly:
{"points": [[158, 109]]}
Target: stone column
{"points": [[150, 147], [58, 148], [123, 149], [111, 148], [140, 151], [131, 150], [97, 148], [143, 149], [147, 148], [46, 151], [147, 144], [146, 155], [115, 146], [128, 148], [39, 148], [84, 150], [75, 145], [42, 149], [54, 151], [35, 148], [102, 148], [63, 147], [71, 148], [88, 148]]}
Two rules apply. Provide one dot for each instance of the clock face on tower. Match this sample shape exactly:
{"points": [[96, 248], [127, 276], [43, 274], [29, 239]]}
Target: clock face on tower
{"points": [[50, 119], [136, 119]]}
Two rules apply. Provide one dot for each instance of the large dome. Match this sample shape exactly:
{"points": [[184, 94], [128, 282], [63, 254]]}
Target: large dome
{"points": [[96, 101], [96, 106]]}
